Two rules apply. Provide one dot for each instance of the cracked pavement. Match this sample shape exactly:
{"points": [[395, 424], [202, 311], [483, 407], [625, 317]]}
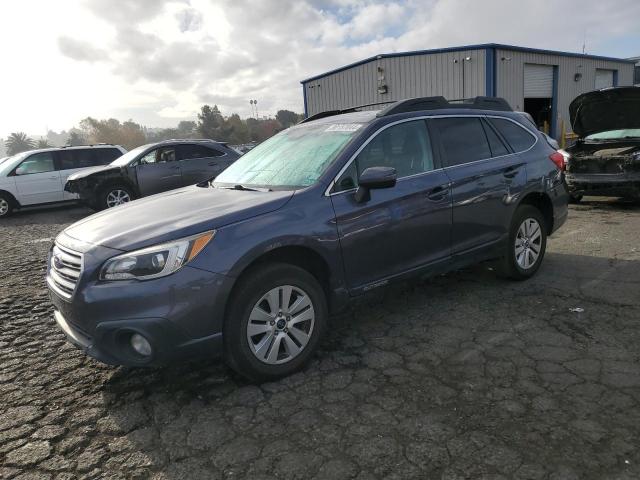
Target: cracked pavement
{"points": [[461, 376]]}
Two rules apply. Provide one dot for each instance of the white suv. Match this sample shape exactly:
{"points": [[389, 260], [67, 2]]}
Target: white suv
{"points": [[38, 176]]}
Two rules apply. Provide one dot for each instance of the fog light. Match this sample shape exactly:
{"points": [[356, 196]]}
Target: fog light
{"points": [[140, 344]]}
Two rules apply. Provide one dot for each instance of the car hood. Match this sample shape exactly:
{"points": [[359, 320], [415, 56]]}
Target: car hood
{"points": [[172, 215], [85, 172], [603, 110]]}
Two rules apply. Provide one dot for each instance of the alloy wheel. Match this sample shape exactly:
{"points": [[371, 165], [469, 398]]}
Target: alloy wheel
{"points": [[280, 324], [528, 243], [117, 197], [4, 207]]}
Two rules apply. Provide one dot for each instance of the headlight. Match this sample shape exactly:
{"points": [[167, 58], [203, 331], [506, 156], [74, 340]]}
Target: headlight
{"points": [[157, 261]]}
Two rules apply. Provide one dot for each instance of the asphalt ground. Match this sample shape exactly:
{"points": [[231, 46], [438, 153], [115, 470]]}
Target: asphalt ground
{"points": [[461, 376]]}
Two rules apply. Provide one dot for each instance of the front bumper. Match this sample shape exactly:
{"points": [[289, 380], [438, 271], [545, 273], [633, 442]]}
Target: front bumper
{"points": [[604, 184], [180, 315], [110, 344]]}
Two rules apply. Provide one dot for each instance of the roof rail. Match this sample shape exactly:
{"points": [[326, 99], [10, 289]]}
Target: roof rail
{"points": [[436, 103], [194, 140], [331, 113], [101, 144]]}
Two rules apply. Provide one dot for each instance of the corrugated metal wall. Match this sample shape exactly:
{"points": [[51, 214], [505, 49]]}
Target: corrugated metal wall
{"points": [[510, 77], [441, 73], [405, 76]]}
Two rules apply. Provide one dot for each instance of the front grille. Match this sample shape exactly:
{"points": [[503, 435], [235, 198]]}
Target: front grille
{"points": [[65, 268]]}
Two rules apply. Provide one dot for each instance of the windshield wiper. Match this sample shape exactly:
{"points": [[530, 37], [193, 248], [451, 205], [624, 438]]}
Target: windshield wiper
{"points": [[239, 186], [244, 188]]}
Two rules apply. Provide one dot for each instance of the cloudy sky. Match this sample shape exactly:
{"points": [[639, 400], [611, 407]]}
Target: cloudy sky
{"points": [[158, 61]]}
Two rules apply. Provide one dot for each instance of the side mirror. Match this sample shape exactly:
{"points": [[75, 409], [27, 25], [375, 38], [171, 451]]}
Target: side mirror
{"points": [[21, 171], [372, 178]]}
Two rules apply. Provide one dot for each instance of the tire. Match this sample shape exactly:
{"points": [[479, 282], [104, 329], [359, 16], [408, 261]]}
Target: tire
{"points": [[108, 196], [253, 330], [6, 205], [513, 265]]}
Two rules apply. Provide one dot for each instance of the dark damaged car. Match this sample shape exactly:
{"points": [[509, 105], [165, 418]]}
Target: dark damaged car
{"points": [[150, 169], [605, 161]]}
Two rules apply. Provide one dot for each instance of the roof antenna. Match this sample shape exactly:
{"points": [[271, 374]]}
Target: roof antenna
{"points": [[584, 42]]}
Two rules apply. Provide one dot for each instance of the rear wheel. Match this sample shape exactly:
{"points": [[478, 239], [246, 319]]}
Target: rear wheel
{"points": [[6, 205], [115, 195], [575, 198], [274, 323], [526, 246]]}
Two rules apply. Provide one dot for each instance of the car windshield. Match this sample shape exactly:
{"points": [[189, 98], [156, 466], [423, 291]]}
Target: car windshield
{"points": [[10, 162], [615, 134], [130, 155], [294, 158]]}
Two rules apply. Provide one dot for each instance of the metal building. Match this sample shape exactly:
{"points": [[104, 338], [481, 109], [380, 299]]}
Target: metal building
{"points": [[540, 82], [636, 75]]}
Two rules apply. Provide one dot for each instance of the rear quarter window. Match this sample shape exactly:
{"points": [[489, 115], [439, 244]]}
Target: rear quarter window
{"points": [[515, 135]]}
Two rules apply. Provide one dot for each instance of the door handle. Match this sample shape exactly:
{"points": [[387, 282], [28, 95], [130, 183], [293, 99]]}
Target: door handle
{"points": [[175, 168], [438, 193], [53, 178], [213, 164]]}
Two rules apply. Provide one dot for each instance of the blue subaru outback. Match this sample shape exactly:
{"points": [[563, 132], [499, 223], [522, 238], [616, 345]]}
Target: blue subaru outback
{"points": [[249, 266]]}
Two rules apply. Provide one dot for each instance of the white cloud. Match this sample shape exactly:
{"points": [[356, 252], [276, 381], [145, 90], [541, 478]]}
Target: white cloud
{"points": [[158, 61]]}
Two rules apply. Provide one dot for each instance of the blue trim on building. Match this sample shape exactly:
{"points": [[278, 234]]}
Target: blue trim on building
{"points": [[304, 96], [553, 129], [615, 78], [490, 71], [463, 48]]}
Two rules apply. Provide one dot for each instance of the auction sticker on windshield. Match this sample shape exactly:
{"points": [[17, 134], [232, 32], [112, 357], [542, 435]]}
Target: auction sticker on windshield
{"points": [[343, 127]]}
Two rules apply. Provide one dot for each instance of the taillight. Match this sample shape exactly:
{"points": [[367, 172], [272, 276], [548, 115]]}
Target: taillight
{"points": [[558, 159]]}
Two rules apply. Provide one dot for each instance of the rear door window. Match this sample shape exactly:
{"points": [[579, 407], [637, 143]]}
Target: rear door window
{"points": [[87, 157], [190, 152], [515, 135], [463, 139]]}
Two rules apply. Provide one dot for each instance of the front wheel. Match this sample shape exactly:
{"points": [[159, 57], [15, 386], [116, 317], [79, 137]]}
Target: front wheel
{"points": [[114, 195], [275, 320], [6, 205], [526, 246]]}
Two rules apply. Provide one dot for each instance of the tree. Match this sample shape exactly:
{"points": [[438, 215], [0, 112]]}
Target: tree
{"points": [[287, 118], [186, 129], [75, 139], [209, 122], [18, 142], [128, 134], [43, 143], [238, 131]]}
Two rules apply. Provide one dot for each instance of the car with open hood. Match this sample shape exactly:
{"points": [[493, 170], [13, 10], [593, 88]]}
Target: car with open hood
{"points": [[249, 266], [150, 169], [605, 160]]}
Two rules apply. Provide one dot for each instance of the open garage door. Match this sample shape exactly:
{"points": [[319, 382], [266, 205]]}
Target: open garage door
{"points": [[538, 94], [604, 78]]}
